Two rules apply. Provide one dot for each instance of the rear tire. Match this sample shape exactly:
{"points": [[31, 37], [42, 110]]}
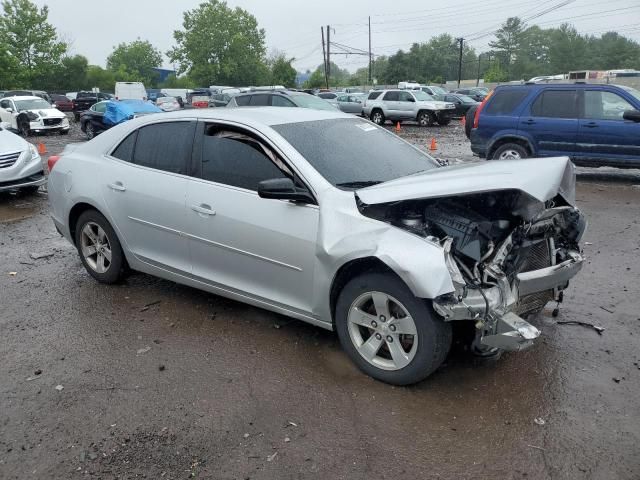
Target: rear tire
{"points": [[99, 248], [510, 151], [378, 117], [389, 333], [468, 120]]}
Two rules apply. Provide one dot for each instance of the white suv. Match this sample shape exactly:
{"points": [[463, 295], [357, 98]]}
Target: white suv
{"points": [[398, 105], [32, 114]]}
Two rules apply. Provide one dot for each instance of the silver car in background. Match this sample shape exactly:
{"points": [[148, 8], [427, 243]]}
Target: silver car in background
{"points": [[20, 164], [330, 219]]}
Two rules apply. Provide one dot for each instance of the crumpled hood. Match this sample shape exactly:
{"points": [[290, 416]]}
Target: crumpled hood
{"points": [[541, 178], [10, 143], [48, 113]]}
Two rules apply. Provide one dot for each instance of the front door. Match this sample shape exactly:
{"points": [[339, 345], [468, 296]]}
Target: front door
{"points": [[145, 188], [552, 122], [406, 105], [603, 133], [6, 116], [239, 241]]}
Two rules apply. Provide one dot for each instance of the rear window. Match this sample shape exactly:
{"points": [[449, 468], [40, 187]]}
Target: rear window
{"points": [[374, 95], [261, 100], [164, 146], [504, 102], [555, 104]]}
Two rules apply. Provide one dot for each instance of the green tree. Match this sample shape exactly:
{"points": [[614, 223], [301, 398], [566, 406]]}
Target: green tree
{"points": [[135, 61], [220, 45], [174, 81], [339, 77], [9, 68], [72, 75], [98, 77], [508, 41], [281, 71], [31, 40]]}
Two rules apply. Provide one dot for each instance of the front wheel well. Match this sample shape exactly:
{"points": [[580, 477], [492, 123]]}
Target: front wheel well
{"points": [[351, 270], [77, 210], [503, 141]]}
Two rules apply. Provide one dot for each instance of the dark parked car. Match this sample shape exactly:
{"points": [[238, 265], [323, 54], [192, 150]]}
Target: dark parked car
{"points": [[28, 93], [154, 94], [594, 125], [462, 102], [198, 92], [62, 103], [477, 93], [91, 120], [84, 101]]}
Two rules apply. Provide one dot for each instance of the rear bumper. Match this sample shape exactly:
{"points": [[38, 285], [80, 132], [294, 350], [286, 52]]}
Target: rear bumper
{"points": [[36, 179]]}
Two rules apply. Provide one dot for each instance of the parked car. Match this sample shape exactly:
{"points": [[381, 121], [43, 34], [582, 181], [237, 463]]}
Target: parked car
{"points": [[435, 91], [91, 123], [130, 91], [168, 104], [350, 103], [198, 92], [328, 95], [84, 101], [478, 93], [595, 125], [30, 114], [280, 98], [363, 232], [154, 94], [28, 93], [62, 103], [20, 164], [180, 94], [71, 95], [200, 101], [462, 103], [400, 105], [223, 97], [104, 115]]}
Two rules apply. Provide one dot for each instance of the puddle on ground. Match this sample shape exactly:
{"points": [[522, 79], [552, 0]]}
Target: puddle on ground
{"points": [[16, 210]]}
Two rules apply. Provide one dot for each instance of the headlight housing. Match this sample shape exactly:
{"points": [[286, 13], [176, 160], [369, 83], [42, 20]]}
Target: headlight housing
{"points": [[34, 151]]}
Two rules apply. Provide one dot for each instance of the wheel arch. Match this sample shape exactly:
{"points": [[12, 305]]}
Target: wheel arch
{"points": [[74, 214], [511, 138]]}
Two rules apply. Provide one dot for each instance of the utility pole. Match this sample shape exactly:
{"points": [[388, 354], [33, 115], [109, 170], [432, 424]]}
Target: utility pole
{"points": [[478, 81], [461, 40], [328, 55], [324, 59], [370, 65]]}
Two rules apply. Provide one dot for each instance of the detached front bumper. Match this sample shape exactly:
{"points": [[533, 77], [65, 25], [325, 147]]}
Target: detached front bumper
{"points": [[39, 127], [494, 309]]}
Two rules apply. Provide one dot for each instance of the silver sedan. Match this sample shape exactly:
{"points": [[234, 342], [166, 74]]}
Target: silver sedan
{"points": [[330, 219]]}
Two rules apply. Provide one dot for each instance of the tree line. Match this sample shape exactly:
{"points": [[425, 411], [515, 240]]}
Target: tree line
{"points": [[216, 45], [221, 45]]}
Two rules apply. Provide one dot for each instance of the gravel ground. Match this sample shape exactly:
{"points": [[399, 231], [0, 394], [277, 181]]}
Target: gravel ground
{"points": [[149, 379]]}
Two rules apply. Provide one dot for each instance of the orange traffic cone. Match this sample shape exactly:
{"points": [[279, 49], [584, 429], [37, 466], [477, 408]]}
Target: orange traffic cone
{"points": [[434, 145], [398, 127], [42, 149]]}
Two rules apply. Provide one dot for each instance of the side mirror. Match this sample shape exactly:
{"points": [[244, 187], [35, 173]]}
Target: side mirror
{"points": [[283, 189], [633, 115]]}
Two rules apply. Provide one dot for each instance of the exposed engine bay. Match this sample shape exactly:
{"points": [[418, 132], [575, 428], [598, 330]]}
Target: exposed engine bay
{"points": [[508, 255]]}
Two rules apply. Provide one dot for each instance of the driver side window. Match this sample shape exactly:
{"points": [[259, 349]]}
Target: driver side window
{"points": [[405, 97]]}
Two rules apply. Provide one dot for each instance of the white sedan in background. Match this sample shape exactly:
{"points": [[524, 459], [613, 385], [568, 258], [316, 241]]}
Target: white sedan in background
{"points": [[32, 115], [168, 104], [20, 164]]}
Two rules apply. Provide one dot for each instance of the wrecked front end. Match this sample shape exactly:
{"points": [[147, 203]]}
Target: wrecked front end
{"points": [[508, 255]]}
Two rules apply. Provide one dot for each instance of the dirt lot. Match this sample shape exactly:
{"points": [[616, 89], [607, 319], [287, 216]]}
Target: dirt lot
{"points": [[150, 379]]}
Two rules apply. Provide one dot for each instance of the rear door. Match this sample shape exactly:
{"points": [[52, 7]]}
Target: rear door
{"points": [[551, 121], [603, 134], [145, 188], [391, 104]]}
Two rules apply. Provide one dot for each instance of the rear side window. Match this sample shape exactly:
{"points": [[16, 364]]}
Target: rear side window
{"points": [[259, 100], [391, 96], [280, 101], [555, 104], [504, 102], [374, 95], [243, 101], [236, 161], [124, 151], [165, 146]]}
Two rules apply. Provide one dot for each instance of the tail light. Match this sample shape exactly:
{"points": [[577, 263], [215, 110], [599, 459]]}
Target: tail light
{"points": [[52, 161], [476, 117]]}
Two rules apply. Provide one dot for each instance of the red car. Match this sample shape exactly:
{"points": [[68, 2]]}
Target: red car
{"points": [[62, 103]]}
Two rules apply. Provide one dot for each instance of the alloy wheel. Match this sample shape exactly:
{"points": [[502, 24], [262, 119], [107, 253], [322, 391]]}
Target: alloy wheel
{"points": [[382, 331], [95, 247], [509, 155], [90, 132], [377, 118]]}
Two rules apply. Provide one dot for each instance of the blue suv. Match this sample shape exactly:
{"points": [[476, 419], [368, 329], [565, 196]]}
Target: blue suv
{"points": [[594, 125]]}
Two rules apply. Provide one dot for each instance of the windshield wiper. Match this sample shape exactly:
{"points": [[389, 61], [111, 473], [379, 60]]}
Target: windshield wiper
{"points": [[359, 184]]}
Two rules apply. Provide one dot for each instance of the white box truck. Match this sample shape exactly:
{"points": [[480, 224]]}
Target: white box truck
{"points": [[130, 91]]}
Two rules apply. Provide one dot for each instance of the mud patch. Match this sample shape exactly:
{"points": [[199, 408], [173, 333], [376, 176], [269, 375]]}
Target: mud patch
{"points": [[15, 208]]}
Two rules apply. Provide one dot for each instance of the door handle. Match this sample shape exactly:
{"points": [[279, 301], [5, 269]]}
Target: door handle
{"points": [[203, 209], [590, 125], [529, 122], [117, 186]]}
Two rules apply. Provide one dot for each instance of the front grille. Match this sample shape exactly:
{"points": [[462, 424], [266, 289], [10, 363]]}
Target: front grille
{"points": [[9, 159], [52, 122], [539, 256]]}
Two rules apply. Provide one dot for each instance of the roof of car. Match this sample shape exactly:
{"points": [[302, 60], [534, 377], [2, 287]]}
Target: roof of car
{"points": [[264, 115], [23, 97]]}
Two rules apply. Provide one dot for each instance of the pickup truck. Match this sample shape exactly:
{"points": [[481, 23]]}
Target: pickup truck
{"points": [[84, 101]]}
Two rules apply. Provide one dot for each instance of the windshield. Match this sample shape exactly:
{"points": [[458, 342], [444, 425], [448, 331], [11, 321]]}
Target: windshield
{"points": [[439, 90], [422, 96], [35, 104], [311, 101], [353, 153], [631, 90]]}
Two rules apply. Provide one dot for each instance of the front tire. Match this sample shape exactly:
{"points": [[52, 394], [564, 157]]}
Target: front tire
{"points": [[389, 333], [510, 151], [89, 131], [426, 119], [99, 248]]}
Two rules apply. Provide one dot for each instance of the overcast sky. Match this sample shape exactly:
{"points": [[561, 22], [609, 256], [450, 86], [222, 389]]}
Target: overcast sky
{"points": [[294, 27]]}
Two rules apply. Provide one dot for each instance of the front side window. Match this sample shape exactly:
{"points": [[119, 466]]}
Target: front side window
{"points": [[100, 107], [406, 96], [421, 96], [555, 104], [164, 146], [599, 105], [236, 159]]}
